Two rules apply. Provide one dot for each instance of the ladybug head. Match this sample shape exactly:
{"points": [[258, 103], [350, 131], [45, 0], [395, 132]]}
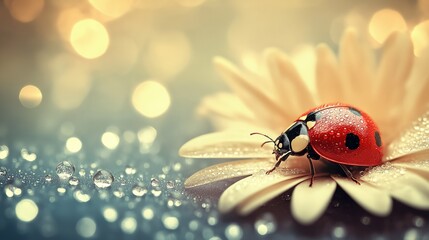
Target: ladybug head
{"points": [[281, 145]]}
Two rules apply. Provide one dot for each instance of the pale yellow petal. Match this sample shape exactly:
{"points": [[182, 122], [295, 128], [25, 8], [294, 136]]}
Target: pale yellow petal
{"points": [[417, 163], [401, 183], [374, 200], [257, 96], [227, 170], [309, 203], [295, 95], [394, 69], [226, 144], [356, 63], [329, 84], [244, 189], [414, 139]]}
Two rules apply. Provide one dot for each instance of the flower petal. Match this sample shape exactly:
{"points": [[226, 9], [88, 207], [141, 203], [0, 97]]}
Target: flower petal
{"points": [[309, 203], [375, 201], [392, 72], [356, 63], [402, 184], [255, 96], [417, 163], [329, 85], [412, 140], [299, 98], [227, 170], [226, 144], [246, 190]]}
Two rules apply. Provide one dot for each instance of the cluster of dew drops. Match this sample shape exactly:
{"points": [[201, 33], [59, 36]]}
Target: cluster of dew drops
{"points": [[201, 222]]}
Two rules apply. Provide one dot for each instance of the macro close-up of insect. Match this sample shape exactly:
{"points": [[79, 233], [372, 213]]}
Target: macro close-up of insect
{"points": [[338, 133]]}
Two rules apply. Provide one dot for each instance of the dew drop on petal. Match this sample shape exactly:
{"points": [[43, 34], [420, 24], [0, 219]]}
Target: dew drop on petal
{"points": [[139, 191], [233, 231], [4, 152], [110, 214], [65, 169], [3, 171], [103, 179]]}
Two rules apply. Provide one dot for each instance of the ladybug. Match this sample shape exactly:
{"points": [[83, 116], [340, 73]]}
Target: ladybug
{"points": [[338, 133]]}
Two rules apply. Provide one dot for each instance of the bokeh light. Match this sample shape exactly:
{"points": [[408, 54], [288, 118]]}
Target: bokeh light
{"points": [[86, 227], [73, 144], [420, 37], [26, 210], [168, 54], [110, 140], [384, 22], [112, 8], [89, 38], [25, 10], [151, 99], [30, 96]]}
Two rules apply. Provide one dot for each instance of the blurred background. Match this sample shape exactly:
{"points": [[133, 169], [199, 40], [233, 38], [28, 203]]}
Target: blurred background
{"points": [[115, 84]]}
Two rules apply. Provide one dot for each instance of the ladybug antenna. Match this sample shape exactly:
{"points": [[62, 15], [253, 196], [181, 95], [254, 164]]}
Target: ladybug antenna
{"points": [[271, 140]]}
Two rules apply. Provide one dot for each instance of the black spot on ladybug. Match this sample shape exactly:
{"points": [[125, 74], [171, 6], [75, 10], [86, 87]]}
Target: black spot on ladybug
{"points": [[352, 141], [355, 111], [377, 139], [314, 116]]}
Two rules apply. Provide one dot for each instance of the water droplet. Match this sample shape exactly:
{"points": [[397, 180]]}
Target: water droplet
{"points": [[81, 196], [170, 222], [110, 214], [74, 181], [3, 171], [139, 191], [4, 152], [233, 231], [170, 184], [129, 225], [102, 179], [48, 178], [65, 169], [154, 182], [82, 172], [156, 193], [61, 190], [28, 156], [130, 170], [119, 193], [265, 225]]}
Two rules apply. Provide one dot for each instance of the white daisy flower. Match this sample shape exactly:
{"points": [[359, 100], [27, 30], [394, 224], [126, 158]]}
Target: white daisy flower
{"points": [[392, 90]]}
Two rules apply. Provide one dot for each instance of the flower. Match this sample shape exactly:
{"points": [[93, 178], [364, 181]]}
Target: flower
{"points": [[393, 92]]}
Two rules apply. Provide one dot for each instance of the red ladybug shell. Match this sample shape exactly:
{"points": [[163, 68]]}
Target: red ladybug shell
{"points": [[343, 134]]}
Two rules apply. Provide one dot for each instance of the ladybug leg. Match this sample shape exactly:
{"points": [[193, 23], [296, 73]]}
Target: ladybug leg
{"points": [[349, 174], [311, 169], [275, 166]]}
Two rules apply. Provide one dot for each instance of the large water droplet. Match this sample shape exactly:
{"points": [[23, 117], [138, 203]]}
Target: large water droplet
{"points": [[139, 191], [65, 169], [102, 179]]}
